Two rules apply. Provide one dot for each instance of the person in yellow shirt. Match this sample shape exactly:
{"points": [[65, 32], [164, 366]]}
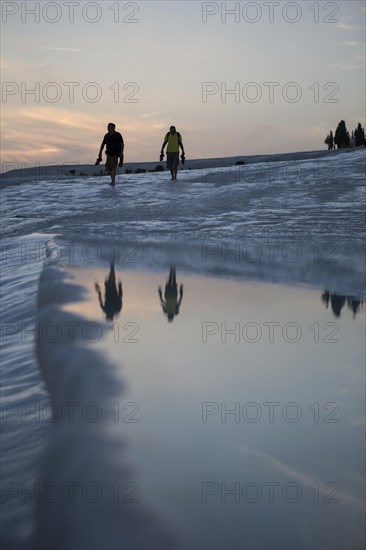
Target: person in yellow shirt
{"points": [[171, 304], [174, 141]]}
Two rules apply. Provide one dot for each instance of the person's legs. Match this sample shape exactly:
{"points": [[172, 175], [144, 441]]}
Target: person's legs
{"points": [[171, 165], [175, 165], [111, 166]]}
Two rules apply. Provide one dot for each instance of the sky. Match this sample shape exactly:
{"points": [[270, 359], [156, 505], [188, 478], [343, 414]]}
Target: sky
{"points": [[235, 78]]}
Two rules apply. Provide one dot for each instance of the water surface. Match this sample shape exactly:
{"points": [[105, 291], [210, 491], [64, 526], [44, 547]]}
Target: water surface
{"points": [[244, 414]]}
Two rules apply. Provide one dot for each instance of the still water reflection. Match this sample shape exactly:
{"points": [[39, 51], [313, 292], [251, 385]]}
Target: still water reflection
{"points": [[171, 304], [112, 303], [339, 301], [245, 417]]}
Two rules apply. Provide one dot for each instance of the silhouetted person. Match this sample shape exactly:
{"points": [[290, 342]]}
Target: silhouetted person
{"points": [[171, 304], [174, 141], [113, 297], [114, 150]]}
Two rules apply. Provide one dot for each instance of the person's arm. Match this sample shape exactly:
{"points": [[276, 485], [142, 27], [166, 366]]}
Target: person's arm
{"points": [[163, 304], [180, 296], [163, 146], [120, 292], [161, 299], [122, 147], [97, 288], [101, 148], [121, 155]]}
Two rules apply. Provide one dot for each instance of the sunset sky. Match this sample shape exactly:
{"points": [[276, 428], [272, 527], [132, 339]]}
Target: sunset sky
{"points": [[147, 65]]}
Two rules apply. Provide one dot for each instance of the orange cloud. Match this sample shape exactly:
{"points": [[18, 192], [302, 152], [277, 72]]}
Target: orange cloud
{"points": [[47, 134]]}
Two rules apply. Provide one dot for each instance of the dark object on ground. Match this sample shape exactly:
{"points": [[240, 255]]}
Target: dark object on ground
{"points": [[239, 163], [140, 171], [159, 168]]}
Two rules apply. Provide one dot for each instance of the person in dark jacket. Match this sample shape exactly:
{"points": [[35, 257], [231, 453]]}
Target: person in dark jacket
{"points": [[112, 304], [114, 150]]}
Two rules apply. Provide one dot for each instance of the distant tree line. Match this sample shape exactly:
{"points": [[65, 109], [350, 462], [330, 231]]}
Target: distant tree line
{"points": [[339, 301], [342, 137]]}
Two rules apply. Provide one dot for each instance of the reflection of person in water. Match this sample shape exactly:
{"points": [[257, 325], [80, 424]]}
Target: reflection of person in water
{"points": [[113, 296], [338, 301], [171, 304]]}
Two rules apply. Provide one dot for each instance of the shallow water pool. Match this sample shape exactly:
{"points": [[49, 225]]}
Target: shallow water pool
{"points": [[243, 414]]}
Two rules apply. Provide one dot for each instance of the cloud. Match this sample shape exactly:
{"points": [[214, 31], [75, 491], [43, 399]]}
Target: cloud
{"points": [[344, 67], [60, 117], [350, 43], [273, 464], [149, 115], [52, 134], [64, 50], [54, 49], [353, 67], [344, 26]]}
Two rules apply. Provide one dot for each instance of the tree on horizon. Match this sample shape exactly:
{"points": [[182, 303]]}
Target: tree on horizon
{"points": [[342, 138], [359, 134], [329, 140]]}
